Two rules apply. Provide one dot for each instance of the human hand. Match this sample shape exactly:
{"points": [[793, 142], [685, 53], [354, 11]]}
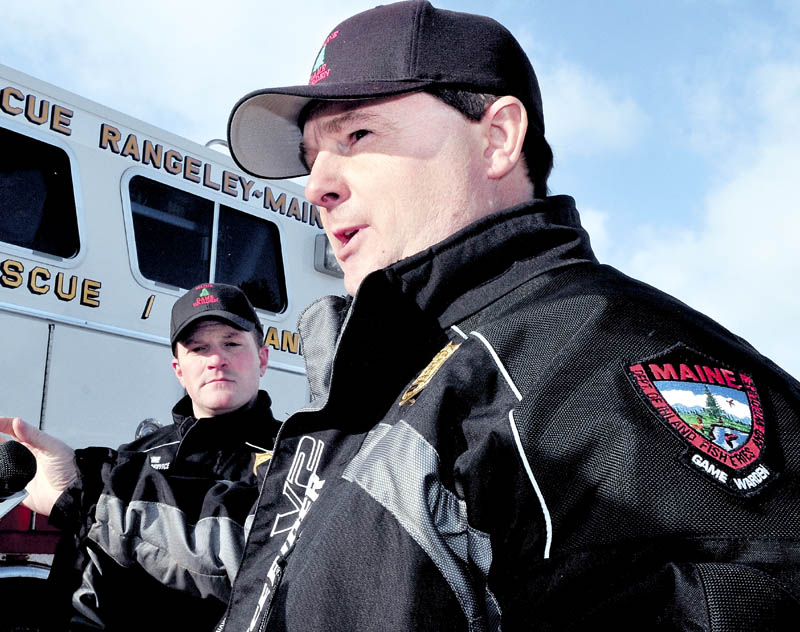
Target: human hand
{"points": [[55, 464]]}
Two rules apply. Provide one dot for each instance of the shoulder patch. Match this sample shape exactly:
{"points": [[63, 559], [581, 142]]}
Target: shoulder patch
{"points": [[715, 409]]}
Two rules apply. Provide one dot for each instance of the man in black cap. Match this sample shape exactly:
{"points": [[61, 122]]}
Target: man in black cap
{"points": [[153, 532], [507, 434]]}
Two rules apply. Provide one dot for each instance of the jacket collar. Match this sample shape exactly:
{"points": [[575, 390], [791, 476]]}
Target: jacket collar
{"points": [[459, 276], [420, 297], [239, 425]]}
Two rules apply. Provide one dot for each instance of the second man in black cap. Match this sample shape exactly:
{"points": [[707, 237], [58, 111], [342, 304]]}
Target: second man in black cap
{"points": [[153, 532]]}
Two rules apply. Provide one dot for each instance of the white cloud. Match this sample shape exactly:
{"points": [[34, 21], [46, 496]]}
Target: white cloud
{"points": [[179, 65], [739, 262], [714, 130], [183, 64], [584, 116]]}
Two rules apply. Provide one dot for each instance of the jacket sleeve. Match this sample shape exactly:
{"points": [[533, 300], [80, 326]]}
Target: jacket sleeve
{"points": [[86, 612], [73, 515], [610, 524], [125, 514], [197, 551]]}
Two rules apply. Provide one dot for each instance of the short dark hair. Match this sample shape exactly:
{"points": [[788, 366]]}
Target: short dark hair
{"points": [[535, 148]]}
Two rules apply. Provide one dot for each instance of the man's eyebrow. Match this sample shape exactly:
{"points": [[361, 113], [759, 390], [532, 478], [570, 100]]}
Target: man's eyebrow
{"points": [[192, 338], [335, 124]]}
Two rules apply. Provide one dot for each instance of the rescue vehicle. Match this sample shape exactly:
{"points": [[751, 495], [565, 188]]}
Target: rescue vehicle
{"points": [[104, 221]]}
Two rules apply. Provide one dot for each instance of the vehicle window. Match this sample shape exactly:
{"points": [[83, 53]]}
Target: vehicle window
{"points": [[37, 200], [249, 255], [172, 231]]}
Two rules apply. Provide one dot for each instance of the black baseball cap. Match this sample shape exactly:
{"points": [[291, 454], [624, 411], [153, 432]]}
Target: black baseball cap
{"points": [[217, 301], [389, 50]]}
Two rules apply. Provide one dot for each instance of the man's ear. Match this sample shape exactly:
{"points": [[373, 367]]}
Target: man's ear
{"points": [[505, 123], [176, 366], [263, 357]]}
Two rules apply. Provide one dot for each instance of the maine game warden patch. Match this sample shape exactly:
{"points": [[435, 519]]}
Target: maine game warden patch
{"points": [[714, 409]]}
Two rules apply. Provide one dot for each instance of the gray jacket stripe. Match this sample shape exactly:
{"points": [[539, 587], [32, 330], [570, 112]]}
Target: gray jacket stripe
{"points": [[399, 469], [515, 432], [202, 558], [85, 598], [248, 524]]}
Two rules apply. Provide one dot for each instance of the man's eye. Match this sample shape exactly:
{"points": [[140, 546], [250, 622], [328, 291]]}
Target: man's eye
{"points": [[303, 155], [359, 134]]}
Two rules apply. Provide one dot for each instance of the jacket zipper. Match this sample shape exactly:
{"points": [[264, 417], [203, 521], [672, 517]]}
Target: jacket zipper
{"points": [[268, 613]]}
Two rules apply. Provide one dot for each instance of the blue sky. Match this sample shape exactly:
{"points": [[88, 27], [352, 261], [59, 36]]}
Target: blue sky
{"points": [[674, 124]]}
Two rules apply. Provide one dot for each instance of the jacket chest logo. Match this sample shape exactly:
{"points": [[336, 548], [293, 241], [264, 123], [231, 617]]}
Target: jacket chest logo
{"points": [[157, 464], [715, 409], [409, 397]]}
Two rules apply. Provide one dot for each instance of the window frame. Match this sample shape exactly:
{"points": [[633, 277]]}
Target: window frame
{"points": [[217, 199], [77, 196]]}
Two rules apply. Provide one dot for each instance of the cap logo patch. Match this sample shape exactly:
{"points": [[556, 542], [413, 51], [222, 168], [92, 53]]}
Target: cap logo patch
{"points": [[715, 410], [320, 70], [205, 298]]}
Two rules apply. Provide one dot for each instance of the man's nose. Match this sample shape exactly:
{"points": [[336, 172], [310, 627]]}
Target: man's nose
{"points": [[217, 358], [326, 185]]}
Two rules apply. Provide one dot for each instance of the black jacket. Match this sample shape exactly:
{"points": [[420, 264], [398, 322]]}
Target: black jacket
{"points": [[511, 435], [150, 540]]}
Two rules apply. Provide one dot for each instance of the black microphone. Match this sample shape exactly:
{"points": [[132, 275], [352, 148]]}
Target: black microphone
{"points": [[17, 467]]}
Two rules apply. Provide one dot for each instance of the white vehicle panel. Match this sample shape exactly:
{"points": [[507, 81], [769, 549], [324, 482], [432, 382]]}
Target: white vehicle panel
{"points": [[23, 352]]}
